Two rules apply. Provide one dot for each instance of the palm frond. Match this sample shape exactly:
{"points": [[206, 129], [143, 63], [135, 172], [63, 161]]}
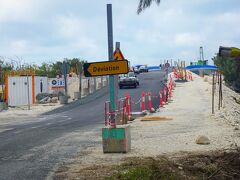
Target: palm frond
{"points": [[143, 4]]}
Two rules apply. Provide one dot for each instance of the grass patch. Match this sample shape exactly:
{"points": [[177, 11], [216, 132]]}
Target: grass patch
{"points": [[216, 165], [145, 169]]}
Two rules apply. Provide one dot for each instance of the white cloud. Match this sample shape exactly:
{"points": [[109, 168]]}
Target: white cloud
{"points": [[70, 26], [19, 46], [19, 10], [187, 39], [78, 34], [175, 29]]}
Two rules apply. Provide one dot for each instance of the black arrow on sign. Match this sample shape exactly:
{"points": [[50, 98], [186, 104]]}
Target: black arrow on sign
{"points": [[86, 72]]}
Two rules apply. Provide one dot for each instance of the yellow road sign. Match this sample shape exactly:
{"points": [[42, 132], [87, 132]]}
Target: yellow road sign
{"points": [[235, 52], [105, 68], [229, 52], [117, 55]]}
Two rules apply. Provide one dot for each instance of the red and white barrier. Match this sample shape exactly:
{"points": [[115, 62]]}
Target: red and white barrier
{"points": [[160, 99], [165, 96], [124, 105], [106, 113], [143, 106], [189, 76], [150, 107], [128, 106]]}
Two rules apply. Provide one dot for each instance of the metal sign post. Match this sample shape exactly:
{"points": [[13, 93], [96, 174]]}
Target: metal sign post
{"points": [[112, 79], [111, 142], [80, 80], [1, 82], [116, 76], [65, 70], [28, 91]]}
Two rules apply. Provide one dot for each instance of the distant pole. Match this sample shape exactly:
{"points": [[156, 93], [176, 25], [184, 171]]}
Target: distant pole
{"points": [[213, 94], [110, 58], [28, 92], [1, 82], [64, 67], [80, 80], [116, 76], [185, 71], [95, 83], [221, 89], [117, 45]]}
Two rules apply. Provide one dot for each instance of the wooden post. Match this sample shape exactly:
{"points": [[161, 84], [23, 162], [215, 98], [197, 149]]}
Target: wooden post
{"points": [[213, 94], [221, 94], [219, 91]]}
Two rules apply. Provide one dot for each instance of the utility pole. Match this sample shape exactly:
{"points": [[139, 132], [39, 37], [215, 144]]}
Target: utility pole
{"points": [[213, 94], [80, 80], [1, 77], [112, 78], [28, 91], [64, 68]]}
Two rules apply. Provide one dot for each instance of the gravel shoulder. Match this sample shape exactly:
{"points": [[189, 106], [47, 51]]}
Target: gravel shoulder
{"points": [[19, 115], [190, 111]]}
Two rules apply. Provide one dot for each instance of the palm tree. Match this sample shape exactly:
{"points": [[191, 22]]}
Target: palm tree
{"points": [[143, 4]]}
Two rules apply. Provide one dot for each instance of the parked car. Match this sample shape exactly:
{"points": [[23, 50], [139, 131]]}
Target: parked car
{"points": [[143, 69], [128, 80], [136, 70]]}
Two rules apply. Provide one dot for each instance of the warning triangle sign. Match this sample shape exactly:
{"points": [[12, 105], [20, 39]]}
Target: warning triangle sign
{"points": [[117, 55]]}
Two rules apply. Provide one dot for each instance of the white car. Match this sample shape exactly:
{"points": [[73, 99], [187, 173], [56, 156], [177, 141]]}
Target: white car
{"points": [[143, 69], [129, 79], [136, 70]]}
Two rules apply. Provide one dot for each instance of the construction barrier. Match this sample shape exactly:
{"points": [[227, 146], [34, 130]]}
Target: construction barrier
{"points": [[106, 115], [165, 96], [119, 114], [126, 105], [150, 106], [143, 106], [160, 100]]}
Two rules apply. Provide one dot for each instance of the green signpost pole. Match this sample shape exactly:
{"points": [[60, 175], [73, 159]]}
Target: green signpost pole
{"points": [[114, 137], [110, 58]]}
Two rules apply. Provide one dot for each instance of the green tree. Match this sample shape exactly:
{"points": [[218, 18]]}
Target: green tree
{"points": [[143, 4], [75, 64], [230, 67], [53, 69], [42, 70]]}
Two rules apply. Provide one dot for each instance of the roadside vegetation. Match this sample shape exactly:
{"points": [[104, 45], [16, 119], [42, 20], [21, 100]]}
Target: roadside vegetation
{"points": [[51, 69], [215, 165], [230, 68]]}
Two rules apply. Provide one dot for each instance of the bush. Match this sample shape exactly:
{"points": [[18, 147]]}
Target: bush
{"points": [[230, 68]]}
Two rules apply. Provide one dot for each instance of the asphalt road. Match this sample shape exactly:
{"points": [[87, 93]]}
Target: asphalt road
{"points": [[33, 150]]}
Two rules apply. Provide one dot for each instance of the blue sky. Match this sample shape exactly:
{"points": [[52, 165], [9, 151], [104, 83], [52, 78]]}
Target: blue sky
{"points": [[37, 31]]}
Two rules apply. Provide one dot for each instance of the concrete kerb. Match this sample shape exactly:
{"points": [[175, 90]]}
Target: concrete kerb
{"points": [[95, 95]]}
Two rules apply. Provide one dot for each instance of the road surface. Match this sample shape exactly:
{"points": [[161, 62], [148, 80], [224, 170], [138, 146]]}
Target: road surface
{"points": [[33, 150]]}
